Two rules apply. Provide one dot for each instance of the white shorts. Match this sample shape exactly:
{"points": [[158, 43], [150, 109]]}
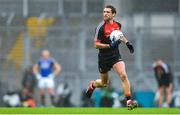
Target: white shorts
{"points": [[44, 82]]}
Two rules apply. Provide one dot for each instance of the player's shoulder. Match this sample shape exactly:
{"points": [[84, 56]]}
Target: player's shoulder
{"points": [[40, 60], [118, 23], [53, 60], [100, 24]]}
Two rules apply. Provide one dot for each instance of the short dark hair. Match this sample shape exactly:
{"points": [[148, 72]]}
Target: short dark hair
{"points": [[113, 9]]}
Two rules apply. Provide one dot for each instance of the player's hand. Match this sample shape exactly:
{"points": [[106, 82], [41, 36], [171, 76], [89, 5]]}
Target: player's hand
{"points": [[38, 76], [130, 47], [114, 44], [52, 76]]}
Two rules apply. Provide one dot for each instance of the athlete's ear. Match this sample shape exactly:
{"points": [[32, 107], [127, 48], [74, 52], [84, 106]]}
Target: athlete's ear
{"points": [[114, 15]]}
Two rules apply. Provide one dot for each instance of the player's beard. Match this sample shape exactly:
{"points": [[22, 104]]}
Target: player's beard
{"points": [[108, 18]]}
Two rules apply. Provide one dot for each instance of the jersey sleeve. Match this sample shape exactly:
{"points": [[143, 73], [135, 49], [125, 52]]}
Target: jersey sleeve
{"points": [[99, 33], [119, 25], [53, 61], [38, 62]]}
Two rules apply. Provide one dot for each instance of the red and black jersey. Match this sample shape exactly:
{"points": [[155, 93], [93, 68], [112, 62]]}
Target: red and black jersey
{"points": [[103, 32], [163, 74]]}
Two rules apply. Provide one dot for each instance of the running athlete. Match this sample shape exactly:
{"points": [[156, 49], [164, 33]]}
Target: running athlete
{"points": [[45, 70], [109, 56]]}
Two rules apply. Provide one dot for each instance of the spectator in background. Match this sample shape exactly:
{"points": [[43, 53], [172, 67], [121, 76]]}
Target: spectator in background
{"points": [[64, 95], [107, 98], [28, 84], [12, 99], [29, 81], [110, 98], [164, 79], [45, 71]]}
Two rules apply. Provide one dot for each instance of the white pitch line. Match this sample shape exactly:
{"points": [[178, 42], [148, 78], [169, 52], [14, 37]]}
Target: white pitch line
{"points": [[88, 114]]}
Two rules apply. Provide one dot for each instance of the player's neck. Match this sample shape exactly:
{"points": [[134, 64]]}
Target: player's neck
{"points": [[110, 21]]}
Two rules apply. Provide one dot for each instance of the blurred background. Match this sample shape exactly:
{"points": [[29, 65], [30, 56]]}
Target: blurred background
{"points": [[66, 28]]}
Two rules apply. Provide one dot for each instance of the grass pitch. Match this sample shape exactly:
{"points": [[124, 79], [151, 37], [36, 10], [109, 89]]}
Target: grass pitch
{"points": [[94, 111]]}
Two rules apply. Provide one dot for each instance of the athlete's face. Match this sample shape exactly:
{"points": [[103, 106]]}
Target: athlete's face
{"points": [[159, 62], [45, 54], [108, 15]]}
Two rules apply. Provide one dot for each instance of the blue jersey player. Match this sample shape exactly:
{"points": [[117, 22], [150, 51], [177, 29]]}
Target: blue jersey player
{"points": [[45, 70]]}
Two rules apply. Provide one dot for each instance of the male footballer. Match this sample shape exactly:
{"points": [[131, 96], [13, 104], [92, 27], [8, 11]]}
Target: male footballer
{"points": [[109, 55]]}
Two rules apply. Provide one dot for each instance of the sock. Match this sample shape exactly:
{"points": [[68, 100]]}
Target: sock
{"points": [[52, 99], [43, 100], [128, 96], [93, 85]]}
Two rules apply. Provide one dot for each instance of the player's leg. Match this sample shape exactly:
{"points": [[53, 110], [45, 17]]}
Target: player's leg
{"points": [[169, 94], [52, 97], [50, 86], [119, 67], [103, 82], [42, 96], [103, 69], [161, 95], [41, 85]]}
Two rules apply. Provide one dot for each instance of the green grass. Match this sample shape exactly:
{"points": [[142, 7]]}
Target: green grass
{"points": [[89, 111]]}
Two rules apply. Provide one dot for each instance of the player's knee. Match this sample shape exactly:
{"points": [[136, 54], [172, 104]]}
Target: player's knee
{"points": [[104, 85], [123, 77]]}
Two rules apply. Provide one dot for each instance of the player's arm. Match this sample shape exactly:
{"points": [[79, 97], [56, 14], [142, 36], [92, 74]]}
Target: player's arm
{"points": [[156, 73], [125, 40], [99, 45], [98, 37], [36, 71], [57, 69], [128, 44]]}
